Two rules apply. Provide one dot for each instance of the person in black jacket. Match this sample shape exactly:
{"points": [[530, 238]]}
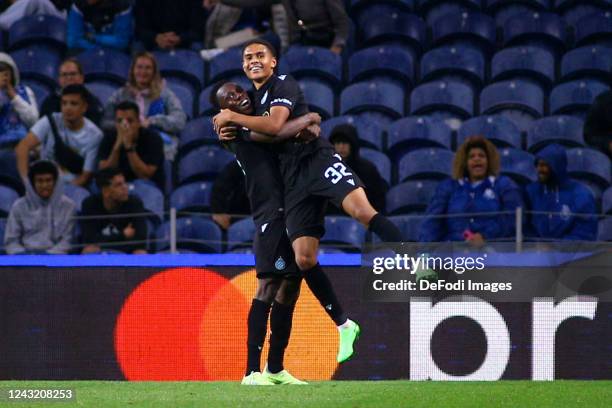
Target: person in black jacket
{"points": [[345, 141], [228, 197], [598, 124]]}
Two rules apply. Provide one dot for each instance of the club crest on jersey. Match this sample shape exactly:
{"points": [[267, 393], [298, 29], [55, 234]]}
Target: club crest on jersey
{"points": [[280, 263], [489, 194]]}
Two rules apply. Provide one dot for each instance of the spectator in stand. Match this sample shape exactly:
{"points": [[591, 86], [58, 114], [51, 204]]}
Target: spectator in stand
{"points": [[99, 23], [168, 24], [70, 73], [138, 152], [43, 220], [323, 23], [345, 141], [13, 10], [475, 187], [106, 225], [159, 107], [562, 198], [598, 124], [228, 196], [18, 109], [69, 139]]}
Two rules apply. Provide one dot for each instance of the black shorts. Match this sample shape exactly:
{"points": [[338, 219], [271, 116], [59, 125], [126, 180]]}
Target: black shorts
{"points": [[312, 182], [274, 255]]}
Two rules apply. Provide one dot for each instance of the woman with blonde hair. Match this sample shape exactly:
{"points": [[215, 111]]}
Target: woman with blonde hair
{"points": [[475, 188]]}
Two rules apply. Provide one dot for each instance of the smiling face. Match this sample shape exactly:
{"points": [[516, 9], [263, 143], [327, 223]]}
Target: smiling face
{"points": [[477, 164], [233, 97], [258, 63], [144, 71]]}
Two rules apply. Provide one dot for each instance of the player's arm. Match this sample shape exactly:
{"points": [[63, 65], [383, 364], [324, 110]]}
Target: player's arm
{"points": [[290, 130], [268, 125]]}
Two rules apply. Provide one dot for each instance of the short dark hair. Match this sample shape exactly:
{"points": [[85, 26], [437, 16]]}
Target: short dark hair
{"points": [[213, 93], [76, 89], [263, 42], [104, 178], [42, 167], [127, 105]]}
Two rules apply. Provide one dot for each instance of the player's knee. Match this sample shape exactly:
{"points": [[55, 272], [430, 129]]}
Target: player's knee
{"points": [[364, 214], [306, 261]]}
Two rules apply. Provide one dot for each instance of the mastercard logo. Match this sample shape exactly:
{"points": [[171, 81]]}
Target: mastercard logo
{"points": [[191, 324]]}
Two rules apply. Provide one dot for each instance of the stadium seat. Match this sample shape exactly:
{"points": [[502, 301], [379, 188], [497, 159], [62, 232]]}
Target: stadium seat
{"points": [[203, 163], [185, 94], [314, 62], [576, 97], [519, 100], [102, 90], [604, 229], [431, 10], [595, 190], [410, 226], [381, 61], [344, 232], [41, 89], [518, 165], [589, 164], [241, 234], [381, 97], [76, 194], [562, 129], [38, 29], [594, 29], [39, 63], [501, 131], [197, 132], [416, 132], [468, 28], [503, 10], [192, 197], [192, 233], [443, 100], [385, 25], [591, 61], [151, 196], [454, 63], [184, 64], [606, 199], [319, 96], [370, 133], [524, 62], [573, 10], [8, 170], [105, 64], [410, 196], [380, 160], [204, 105], [538, 29], [432, 163], [7, 198], [2, 229]]}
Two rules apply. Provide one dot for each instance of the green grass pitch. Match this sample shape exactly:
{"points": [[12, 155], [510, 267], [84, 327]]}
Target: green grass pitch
{"points": [[99, 394]]}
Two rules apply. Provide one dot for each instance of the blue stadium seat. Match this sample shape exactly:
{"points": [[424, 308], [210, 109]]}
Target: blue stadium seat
{"points": [[344, 232], [416, 132], [432, 163], [206, 108], [197, 132], [539, 29], [524, 62], [408, 225], [380, 160], [192, 233], [39, 63], [105, 64], [358, 7], [519, 100], [501, 131], [319, 96], [7, 198], [471, 28], [38, 29], [576, 97], [102, 90], [606, 199], [434, 9], [381, 61], [454, 63], [562, 129], [518, 165], [503, 10], [595, 190], [448, 99], [573, 10], [411, 196], [225, 65], [589, 164], [386, 25], [203, 163], [241, 234], [41, 89], [192, 197], [8, 170], [151, 196], [604, 230], [590, 61], [2, 228], [185, 94], [370, 133], [593, 29], [375, 96], [314, 61], [76, 193], [184, 64]]}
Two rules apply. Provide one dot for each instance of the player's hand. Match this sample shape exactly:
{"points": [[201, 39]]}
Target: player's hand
{"points": [[223, 118], [228, 133], [309, 134], [129, 231], [314, 118]]}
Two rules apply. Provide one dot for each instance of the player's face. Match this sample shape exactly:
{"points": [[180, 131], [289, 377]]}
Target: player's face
{"points": [[543, 172], [44, 185], [118, 191], [233, 97], [258, 63], [69, 75], [477, 164]]}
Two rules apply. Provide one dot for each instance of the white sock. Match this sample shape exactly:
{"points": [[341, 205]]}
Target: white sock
{"points": [[345, 325]]}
